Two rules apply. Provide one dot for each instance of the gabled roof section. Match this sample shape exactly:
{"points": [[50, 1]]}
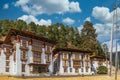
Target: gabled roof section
{"points": [[98, 57], [71, 50], [26, 34]]}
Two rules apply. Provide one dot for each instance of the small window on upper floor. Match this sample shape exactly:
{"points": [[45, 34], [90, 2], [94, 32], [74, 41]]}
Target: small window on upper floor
{"points": [[0, 52]]}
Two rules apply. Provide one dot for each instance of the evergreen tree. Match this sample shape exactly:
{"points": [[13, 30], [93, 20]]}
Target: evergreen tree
{"points": [[89, 41]]}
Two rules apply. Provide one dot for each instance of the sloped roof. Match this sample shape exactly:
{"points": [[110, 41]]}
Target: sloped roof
{"points": [[99, 57], [70, 50], [26, 34]]}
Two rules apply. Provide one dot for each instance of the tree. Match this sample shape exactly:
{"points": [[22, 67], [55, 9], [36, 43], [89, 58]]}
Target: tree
{"points": [[89, 38], [102, 70]]}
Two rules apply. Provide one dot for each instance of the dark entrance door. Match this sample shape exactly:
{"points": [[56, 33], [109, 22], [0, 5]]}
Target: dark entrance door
{"points": [[39, 70]]}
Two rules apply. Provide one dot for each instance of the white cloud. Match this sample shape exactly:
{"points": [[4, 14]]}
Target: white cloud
{"points": [[6, 6], [45, 22], [36, 7], [74, 7], [102, 13], [68, 21], [103, 29], [88, 19], [30, 18]]}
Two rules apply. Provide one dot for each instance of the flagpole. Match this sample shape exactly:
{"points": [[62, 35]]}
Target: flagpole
{"points": [[111, 45], [116, 56]]}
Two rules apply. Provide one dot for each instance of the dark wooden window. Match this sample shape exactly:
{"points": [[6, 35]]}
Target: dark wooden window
{"points": [[65, 55], [87, 69], [7, 57], [77, 56], [23, 67], [65, 69], [37, 57], [48, 57], [23, 55], [7, 69], [7, 63], [76, 70], [37, 45], [0, 52]]}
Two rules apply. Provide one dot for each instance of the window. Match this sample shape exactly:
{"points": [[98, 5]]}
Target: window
{"points": [[23, 67], [7, 63], [76, 63], [23, 55], [37, 57], [0, 52], [76, 56], [65, 55], [7, 57], [87, 69], [48, 57], [7, 69], [37, 45]]}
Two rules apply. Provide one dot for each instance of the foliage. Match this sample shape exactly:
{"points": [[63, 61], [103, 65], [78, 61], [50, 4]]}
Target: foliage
{"points": [[102, 70], [62, 34], [89, 38]]}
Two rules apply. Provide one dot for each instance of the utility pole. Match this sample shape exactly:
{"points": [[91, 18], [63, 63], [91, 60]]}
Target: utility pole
{"points": [[111, 44], [116, 56]]}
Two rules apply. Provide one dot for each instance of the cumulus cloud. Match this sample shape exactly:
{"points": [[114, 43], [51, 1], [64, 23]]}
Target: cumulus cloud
{"points": [[30, 18], [88, 19], [103, 14], [68, 21], [6, 6], [36, 7]]}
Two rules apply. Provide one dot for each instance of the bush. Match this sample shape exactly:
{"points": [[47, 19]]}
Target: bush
{"points": [[102, 70]]}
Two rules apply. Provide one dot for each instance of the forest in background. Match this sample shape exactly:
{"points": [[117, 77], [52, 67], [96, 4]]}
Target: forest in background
{"points": [[63, 35]]}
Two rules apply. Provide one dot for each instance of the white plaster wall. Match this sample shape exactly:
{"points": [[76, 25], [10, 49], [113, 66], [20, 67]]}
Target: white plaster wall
{"points": [[95, 65], [12, 64], [18, 60], [61, 70], [30, 54], [2, 62], [51, 67], [43, 58]]}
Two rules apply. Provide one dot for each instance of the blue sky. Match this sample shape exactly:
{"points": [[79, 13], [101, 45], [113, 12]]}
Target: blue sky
{"points": [[69, 12]]}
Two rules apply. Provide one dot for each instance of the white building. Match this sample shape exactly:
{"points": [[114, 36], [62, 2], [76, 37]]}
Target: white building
{"points": [[97, 61], [24, 53], [72, 62]]}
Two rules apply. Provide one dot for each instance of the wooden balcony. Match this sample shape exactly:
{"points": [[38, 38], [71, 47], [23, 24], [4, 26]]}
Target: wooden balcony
{"points": [[36, 60], [78, 65], [65, 59], [77, 59], [23, 48], [37, 50], [47, 52], [48, 62], [87, 60], [23, 59]]}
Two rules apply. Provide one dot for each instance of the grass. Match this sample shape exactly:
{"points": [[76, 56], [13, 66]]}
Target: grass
{"points": [[100, 77]]}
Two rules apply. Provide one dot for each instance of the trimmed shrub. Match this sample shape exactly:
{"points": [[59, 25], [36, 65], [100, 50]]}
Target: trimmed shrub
{"points": [[102, 70]]}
